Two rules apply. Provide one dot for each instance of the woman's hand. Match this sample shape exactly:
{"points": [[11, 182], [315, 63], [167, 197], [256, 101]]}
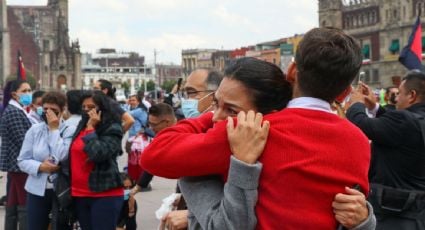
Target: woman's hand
{"points": [[52, 120], [48, 167], [94, 118], [248, 139]]}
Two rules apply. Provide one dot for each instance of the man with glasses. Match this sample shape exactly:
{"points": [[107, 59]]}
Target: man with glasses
{"points": [[198, 92], [161, 116]]}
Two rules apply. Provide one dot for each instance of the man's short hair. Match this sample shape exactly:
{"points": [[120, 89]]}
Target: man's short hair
{"points": [[37, 94], [213, 79], [73, 98], [415, 80], [327, 62], [161, 110]]}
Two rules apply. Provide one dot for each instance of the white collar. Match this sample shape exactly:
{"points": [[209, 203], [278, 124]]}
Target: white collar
{"points": [[17, 105], [310, 103]]}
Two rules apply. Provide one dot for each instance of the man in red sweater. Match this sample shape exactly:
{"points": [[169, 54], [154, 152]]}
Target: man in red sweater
{"points": [[311, 154]]}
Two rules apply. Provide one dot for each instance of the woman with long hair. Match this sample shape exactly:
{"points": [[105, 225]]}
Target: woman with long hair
{"points": [[96, 183]]}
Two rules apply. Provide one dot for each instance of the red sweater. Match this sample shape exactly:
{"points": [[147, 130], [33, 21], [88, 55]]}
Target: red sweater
{"points": [[81, 168], [309, 157]]}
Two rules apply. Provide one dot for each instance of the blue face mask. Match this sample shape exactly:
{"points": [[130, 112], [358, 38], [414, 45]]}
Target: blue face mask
{"points": [[25, 99], [39, 111], [190, 108], [126, 194]]}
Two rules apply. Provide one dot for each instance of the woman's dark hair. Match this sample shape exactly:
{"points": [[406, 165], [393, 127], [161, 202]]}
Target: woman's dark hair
{"points": [[11, 86], [125, 176], [104, 105], [36, 95], [56, 98], [104, 84], [265, 81], [73, 100]]}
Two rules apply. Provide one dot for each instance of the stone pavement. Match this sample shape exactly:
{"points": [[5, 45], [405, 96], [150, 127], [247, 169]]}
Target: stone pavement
{"points": [[148, 202]]}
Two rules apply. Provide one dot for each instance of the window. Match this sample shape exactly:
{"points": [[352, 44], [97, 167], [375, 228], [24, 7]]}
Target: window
{"points": [[394, 46], [366, 51]]}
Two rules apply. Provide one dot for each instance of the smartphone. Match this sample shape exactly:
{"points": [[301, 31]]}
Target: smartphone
{"points": [[361, 77]]}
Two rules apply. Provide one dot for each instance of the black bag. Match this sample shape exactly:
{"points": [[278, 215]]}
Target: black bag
{"points": [[65, 216], [62, 186]]}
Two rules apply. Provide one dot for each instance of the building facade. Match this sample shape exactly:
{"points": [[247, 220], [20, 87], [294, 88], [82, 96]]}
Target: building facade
{"points": [[127, 71], [382, 28], [41, 34]]}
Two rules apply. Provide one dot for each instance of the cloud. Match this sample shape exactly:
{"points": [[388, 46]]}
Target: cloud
{"points": [[172, 25], [233, 19]]}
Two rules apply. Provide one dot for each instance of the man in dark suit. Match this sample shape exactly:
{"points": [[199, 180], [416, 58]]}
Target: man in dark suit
{"points": [[397, 173]]}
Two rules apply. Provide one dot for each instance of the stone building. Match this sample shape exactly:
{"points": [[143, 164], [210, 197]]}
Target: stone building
{"points": [[122, 69], [41, 34], [382, 28]]}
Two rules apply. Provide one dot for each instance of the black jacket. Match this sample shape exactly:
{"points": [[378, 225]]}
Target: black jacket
{"points": [[398, 151], [103, 147]]}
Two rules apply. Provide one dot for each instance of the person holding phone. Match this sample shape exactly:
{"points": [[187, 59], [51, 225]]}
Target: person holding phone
{"points": [[96, 183], [45, 145]]}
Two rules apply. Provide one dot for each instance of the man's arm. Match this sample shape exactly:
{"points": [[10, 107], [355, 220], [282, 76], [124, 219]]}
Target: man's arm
{"points": [[353, 211], [189, 149], [385, 129]]}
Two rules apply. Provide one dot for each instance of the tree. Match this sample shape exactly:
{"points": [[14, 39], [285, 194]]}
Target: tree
{"points": [[168, 85], [30, 79], [150, 85], [126, 88]]}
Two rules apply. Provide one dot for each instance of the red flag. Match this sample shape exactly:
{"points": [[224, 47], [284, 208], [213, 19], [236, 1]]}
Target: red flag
{"points": [[411, 55], [21, 69]]}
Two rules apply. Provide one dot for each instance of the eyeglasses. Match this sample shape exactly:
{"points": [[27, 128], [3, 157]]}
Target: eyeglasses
{"points": [[192, 93], [151, 124]]}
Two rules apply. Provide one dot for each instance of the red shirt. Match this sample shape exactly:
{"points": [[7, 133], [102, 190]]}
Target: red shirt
{"points": [[81, 168], [310, 156]]}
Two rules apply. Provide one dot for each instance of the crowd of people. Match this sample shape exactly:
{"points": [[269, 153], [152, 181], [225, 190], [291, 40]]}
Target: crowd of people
{"points": [[270, 150]]}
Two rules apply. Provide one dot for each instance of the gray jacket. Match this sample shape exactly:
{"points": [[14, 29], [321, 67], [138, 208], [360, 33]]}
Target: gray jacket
{"points": [[212, 207]]}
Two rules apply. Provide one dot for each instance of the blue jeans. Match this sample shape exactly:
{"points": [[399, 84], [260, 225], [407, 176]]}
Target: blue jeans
{"points": [[98, 213], [38, 210]]}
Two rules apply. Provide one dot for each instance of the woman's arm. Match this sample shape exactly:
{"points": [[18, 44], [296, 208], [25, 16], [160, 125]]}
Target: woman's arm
{"points": [[231, 208], [127, 121], [104, 146], [26, 160], [60, 141], [189, 148]]}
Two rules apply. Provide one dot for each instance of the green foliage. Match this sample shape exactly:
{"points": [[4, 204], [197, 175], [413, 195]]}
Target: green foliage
{"points": [[168, 85], [30, 79], [150, 85]]}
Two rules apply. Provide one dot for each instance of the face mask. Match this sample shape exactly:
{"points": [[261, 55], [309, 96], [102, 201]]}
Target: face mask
{"points": [[39, 111], [25, 99], [126, 194], [190, 108], [85, 116], [44, 117]]}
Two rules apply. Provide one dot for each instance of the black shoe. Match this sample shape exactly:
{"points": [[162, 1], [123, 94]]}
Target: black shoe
{"points": [[146, 189]]}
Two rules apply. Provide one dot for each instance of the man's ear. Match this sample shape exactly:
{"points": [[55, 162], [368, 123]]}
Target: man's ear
{"points": [[291, 75], [340, 98], [413, 97]]}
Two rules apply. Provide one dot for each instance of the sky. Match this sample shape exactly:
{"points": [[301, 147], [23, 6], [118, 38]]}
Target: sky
{"points": [[172, 25]]}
